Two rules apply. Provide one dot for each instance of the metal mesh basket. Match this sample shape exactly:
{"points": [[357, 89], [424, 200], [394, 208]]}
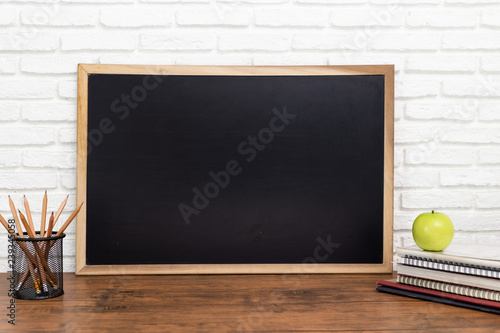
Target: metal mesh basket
{"points": [[38, 267]]}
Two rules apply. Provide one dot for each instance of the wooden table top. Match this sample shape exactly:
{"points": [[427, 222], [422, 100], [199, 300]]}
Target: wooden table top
{"points": [[235, 303]]}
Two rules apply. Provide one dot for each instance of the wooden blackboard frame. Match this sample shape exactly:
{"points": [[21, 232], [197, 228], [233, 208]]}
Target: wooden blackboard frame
{"points": [[84, 70]]}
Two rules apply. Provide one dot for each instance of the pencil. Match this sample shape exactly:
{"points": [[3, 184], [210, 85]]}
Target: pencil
{"points": [[16, 218], [31, 270], [44, 215], [28, 214], [27, 273], [41, 264], [7, 227], [51, 225], [49, 233], [68, 221], [60, 210], [26, 224]]}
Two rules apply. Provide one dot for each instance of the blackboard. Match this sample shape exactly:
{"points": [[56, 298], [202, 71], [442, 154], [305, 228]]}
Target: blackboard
{"points": [[234, 169]]}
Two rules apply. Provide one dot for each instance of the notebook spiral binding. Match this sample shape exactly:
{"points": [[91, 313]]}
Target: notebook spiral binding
{"points": [[450, 288], [490, 272]]}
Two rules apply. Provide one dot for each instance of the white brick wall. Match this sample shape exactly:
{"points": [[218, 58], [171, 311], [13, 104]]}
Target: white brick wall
{"points": [[489, 111], [490, 18], [9, 112], [117, 41], [214, 17], [136, 17], [446, 54], [456, 18], [28, 41], [177, 41], [440, 111], [300, 18], [63, 17], [471, 40], [48, 112], [50, 64], [27, 89]]}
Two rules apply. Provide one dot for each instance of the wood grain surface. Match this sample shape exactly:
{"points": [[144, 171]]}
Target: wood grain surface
{"points": [[236, 303]]}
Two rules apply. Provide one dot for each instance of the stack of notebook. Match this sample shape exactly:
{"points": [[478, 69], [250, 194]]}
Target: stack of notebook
{"points": [[461, 275]]}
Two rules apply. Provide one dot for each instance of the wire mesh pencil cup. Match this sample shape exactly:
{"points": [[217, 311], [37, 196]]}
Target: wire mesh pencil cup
{"points": [[38, 267]]}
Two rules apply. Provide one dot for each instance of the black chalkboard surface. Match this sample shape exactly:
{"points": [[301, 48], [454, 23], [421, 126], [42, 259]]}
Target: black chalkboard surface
{"points": [[234, 172]]}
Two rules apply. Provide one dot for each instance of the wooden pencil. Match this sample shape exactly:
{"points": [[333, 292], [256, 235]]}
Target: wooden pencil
{"points": [[16, 218], [26, 225], [29, 272], [49, 233], [28, 214], [68, 221], [7, 227], [60, 210], [44, 215], [39, 257], [50, 225]]}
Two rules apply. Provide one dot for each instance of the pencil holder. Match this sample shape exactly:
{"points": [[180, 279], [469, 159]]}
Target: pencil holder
{"points": [[38, 267]]}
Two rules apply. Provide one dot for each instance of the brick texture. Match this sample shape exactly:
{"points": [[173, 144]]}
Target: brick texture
{"points": [[447, 84]]}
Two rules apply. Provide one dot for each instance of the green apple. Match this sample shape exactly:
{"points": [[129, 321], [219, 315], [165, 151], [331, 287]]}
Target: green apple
{"points": [[432, 231]]}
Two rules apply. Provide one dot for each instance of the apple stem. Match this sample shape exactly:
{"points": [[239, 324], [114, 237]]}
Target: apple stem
{"points": [[432, 212]]}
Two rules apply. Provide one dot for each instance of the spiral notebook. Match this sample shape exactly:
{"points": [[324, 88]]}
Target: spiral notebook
{"points": [[474, 259], [452, 288], [450, 267], [463, 279]]}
